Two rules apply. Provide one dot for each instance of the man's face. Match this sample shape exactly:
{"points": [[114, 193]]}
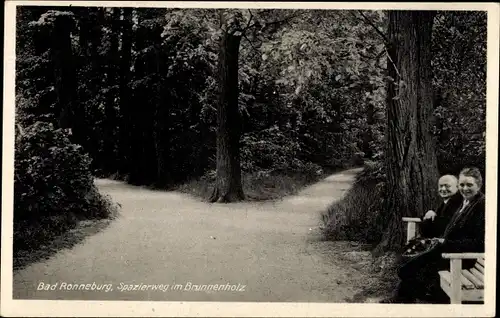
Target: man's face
{"points": [[447, 187]]}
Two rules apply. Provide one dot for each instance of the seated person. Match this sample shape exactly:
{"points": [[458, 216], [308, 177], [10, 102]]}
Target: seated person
{"points": [[434, 222], [464, 233]]}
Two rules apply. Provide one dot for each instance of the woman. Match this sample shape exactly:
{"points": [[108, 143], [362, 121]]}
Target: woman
{"points": [[466, 230], [464, 233]]}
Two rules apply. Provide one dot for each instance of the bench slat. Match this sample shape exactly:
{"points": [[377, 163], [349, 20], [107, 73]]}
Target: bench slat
{"points": [[466, 283], [479, 267], [477, 274], [481, 261], [477, 256], [478, 284]]}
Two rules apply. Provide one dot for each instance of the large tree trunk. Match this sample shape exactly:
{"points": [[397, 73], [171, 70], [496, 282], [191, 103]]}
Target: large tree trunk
{"points": [[228, 186], [411, 155]]}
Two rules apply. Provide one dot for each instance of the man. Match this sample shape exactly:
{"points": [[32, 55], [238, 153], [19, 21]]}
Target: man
{"points": [[434, 222]]}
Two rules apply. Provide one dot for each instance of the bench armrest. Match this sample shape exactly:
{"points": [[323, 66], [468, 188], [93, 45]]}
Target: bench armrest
{"points": [[462, 255], [409, 219], [411, 228]]}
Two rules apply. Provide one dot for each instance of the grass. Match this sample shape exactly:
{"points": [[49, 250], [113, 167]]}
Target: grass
{"points": [[382, 280], [36, 240], [65, 240], [258, 186], [356, 216]]}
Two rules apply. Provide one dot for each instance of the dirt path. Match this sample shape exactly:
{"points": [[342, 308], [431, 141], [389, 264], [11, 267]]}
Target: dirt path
{"points": [[272, 249]]}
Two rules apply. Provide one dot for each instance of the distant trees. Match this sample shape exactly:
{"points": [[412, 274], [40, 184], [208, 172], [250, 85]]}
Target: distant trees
{"points": [[148, 88]]}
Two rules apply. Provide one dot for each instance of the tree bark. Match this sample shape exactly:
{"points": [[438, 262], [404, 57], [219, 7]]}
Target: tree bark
{"points": [[124, 92], [367, 136], [228, 186], [161, 125], [110, 112], [411, 154], [64, 69]]}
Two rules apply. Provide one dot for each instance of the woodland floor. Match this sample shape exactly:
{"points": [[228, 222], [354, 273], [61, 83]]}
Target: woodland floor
{"points": [[273, 248]]}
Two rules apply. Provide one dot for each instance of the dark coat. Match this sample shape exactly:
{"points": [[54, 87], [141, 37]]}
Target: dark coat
{"points": [[444, 213], [466, 231]]}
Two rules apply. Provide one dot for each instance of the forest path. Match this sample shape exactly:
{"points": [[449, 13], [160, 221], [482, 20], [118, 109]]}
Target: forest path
{"points": [[271, 248]]}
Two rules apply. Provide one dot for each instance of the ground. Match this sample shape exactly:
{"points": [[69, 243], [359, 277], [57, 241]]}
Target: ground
{"points": [[273, 249]]}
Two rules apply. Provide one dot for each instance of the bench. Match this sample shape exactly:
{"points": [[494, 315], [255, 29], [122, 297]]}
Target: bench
{"points": [[459, 284]]}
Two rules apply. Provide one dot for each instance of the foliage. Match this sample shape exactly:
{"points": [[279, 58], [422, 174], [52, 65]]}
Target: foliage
{"points": [[459, 63], [303, 106], [53, 185]]}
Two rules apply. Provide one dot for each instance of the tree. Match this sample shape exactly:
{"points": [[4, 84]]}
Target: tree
{"points": [[125, 127], [233, 27], [59, 25], [410, 154], [228, 186]]}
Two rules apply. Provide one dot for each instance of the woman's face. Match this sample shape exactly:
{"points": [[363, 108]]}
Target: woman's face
{"points": [[468, 186]]}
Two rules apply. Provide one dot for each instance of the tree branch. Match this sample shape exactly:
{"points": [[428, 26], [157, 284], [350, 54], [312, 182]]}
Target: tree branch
{"points": [[386, 40], [251, 44], [285, 20], [392, 62], [249, 20]]}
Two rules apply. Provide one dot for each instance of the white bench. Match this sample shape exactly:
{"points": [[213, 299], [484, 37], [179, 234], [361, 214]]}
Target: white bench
{"points": [[459, 284], [463, 284]]}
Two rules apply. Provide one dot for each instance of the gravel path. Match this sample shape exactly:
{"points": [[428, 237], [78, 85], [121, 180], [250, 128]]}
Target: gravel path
{"points": [[262, 251]]}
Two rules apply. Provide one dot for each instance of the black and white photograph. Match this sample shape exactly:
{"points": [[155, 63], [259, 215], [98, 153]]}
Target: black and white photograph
{"points": [[219, 154]]}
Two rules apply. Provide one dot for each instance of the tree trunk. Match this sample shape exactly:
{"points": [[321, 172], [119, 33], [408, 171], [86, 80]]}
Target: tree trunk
{"points": [[110, 114], [124, 92], [411, 154], [160, 130], [228, 186], [63, 60], [367, 136]]}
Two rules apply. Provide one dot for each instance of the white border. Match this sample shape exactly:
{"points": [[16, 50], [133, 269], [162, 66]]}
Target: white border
{"points": [[10, 307]]}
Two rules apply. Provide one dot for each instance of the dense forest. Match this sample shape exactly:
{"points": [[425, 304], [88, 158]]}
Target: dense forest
{"points": [[161, 97]]}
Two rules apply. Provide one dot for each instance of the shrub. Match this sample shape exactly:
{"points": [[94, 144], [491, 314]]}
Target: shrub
{"points": [[258, 186], [356, 216], [53, 186]]}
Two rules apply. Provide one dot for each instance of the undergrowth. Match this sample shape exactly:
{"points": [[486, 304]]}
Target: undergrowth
{"points": [[54, 189], [258, 186], [356, 216]]}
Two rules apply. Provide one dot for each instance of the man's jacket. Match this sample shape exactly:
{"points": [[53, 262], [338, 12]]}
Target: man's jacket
{"points": [[444, 213]]}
